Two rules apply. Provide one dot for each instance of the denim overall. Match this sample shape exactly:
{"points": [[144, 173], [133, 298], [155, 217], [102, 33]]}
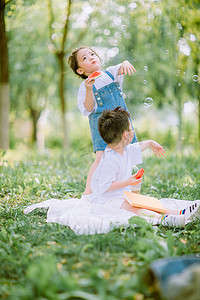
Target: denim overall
{"points": [[107, 97]]}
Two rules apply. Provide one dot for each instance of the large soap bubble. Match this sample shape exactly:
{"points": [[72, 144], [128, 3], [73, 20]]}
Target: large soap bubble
{"points": [[195, 78], [148, 102]]}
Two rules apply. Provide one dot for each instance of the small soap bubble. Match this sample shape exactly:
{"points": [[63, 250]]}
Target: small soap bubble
{"points": [[146, 68], [179, 26], [145, 82], [178, 71], [148, 102], [195, 78], [192, 37], [167, 51], [124, 27]]}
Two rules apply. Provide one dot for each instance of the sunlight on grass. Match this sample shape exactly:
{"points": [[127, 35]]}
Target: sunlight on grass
{"points": [[34, 253]]}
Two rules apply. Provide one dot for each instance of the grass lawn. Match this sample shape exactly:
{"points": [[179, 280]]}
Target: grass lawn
{"points": [[40, 260]]}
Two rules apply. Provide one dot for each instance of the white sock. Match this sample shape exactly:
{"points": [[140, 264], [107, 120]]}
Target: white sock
{"points": [[172, 220]]}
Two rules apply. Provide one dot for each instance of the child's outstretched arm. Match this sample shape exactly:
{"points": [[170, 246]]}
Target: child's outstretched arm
{"points": [[126, 68], [157, 148]]}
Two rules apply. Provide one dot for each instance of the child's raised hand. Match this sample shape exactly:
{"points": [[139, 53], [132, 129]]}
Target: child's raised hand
{"points": [[126, 68], [157, 149], [89, 83], [132, 181]]}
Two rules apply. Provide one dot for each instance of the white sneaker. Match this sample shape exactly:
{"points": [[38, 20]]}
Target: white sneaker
{"points": [[192, 211], [172, 220]]}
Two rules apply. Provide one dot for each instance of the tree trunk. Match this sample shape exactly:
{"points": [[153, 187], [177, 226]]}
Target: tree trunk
{"points": [[4, 82], [198, 97], [62, 98], [35, 115], [179, 113]]}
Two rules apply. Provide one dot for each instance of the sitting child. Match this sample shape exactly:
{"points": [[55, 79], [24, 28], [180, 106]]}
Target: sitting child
{"points": [[113, 174]]}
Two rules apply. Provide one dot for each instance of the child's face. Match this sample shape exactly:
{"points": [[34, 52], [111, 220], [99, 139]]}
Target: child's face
{"points": [[88, 62]]}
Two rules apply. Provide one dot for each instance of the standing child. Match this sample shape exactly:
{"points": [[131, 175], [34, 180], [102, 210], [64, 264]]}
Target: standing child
{"points": [[95, 96]]}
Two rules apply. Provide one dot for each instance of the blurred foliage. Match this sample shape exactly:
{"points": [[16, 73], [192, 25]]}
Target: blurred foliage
{"points": [[160, 38]]}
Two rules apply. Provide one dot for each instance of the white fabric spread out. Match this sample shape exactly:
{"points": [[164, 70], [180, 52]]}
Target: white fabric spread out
{"points": [[86, 217]]}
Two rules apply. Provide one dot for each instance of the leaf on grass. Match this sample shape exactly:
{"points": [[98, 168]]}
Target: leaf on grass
{"points": [[137, 221], [84, 295], [77, 266]]}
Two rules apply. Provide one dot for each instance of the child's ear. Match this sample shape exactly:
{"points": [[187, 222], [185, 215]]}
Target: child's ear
{"points": [[125, 134], [79, 71]]}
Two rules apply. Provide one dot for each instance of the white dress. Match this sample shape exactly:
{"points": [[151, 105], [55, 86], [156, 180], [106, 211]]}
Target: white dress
{"points": [[86, 217]]}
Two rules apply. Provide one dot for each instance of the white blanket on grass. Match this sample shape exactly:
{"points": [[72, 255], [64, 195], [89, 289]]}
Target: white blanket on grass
{"points": [[86, 217]]}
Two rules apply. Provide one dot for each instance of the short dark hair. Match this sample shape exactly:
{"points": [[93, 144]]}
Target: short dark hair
{"points": [[73, 62], [112, 124]]}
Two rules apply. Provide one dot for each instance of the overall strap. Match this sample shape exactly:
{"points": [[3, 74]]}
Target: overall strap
{"points": [[97, 96], [109, 74]]}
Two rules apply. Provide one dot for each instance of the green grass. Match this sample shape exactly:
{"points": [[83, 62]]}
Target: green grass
{"points": [[40, 260]]}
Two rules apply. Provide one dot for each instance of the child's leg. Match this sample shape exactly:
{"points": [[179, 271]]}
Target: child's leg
{"points": [[139, 211], [165, 220], [88, 189]]}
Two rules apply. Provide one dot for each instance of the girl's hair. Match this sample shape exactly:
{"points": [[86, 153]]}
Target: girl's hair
{"points": [[112, 124], [73, 61]]}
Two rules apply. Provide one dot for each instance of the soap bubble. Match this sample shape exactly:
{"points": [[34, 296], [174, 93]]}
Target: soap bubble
{"points": [[145, 82], [124, 27], [192, 37], [146, 68], [148, 102], [179, 26], [106, 32], [195, 78], [167, 51]]}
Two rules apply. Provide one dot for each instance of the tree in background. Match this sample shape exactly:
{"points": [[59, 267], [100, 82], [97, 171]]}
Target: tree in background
{"points": [[31, 66], [151, 34], [64, 37], [162, 39], [4, 80]]}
